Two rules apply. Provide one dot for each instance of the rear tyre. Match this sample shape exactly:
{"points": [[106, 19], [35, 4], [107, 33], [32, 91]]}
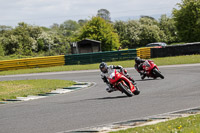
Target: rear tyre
{"points": [[126, 90], [158, 73]]}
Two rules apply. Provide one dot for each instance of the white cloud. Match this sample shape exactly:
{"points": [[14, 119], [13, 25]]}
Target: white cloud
{"points": [[47, 12]]}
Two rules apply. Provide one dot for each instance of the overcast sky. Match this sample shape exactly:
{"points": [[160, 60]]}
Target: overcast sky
{"points": [[47, 12]]}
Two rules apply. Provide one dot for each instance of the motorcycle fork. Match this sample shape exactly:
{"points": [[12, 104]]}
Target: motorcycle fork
{"points": [[131, 86]]}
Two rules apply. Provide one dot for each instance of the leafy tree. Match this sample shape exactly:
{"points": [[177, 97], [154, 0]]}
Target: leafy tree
{"points": [[45, 42], [4, 28], [187, 20], [1, 50], [69, 28], [146, 20], [105, 14], [82, 22], [10, 43], [70, 25], [150, 31], [133, 33], [137, 33], [99, 29], [25, 41], [167, 25], [122, 30]]}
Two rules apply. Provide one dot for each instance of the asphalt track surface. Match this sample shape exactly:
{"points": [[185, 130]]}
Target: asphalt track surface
{"points": [[94, 106]]}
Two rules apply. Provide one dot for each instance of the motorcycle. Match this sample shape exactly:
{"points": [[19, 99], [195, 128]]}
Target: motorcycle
{"points": [[123, 84], [151, 70]]}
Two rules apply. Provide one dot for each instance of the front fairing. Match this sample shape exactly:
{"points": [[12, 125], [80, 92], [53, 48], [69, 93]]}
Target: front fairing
{"points": [[148, 66], [114, 77]]}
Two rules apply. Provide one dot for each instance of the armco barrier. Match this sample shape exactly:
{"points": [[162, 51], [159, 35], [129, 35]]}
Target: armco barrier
{"points": [[144, 53], [89, 58], [37, 62]]}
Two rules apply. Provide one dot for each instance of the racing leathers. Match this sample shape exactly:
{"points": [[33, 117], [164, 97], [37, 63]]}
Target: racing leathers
{"points": [[139, 68], [110, 70]]}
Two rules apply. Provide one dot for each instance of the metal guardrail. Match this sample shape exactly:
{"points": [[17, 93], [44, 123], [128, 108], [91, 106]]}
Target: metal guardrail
{"points": [[37, 62], [75, 59]]}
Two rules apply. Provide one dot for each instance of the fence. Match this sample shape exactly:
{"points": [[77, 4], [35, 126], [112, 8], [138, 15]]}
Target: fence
{"points": [[176, 50], [90, 58]]}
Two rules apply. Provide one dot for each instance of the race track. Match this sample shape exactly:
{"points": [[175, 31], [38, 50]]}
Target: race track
{"points": [[94, 106]]}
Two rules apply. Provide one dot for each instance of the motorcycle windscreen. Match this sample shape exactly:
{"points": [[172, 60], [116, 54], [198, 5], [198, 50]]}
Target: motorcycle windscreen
{"points": [[114, 77]]}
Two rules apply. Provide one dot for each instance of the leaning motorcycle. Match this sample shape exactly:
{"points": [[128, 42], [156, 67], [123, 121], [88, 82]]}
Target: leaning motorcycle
{"points": [[123, 84], [151, 70]]}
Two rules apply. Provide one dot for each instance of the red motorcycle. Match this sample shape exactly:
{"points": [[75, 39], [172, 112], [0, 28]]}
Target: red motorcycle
{"points": [[151, 70], [123, 84]]}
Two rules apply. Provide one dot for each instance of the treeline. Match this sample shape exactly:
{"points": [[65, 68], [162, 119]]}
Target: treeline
{"points": [[30, 40]]}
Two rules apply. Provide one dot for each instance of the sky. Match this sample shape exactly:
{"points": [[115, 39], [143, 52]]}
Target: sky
{"points": [[47, 12]]}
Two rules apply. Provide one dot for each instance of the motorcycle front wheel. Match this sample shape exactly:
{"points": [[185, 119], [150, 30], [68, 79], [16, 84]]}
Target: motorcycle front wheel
{"points": [[125, 89], [137, 91], [158, 73]]}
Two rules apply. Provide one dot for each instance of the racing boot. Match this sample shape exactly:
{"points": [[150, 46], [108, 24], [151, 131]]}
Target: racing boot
{"points": [[110, 89], [143, 75]]}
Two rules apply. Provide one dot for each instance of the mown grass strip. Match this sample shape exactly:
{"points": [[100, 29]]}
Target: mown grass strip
{"points": [[189, 59], [189, 124], [22, 88]]}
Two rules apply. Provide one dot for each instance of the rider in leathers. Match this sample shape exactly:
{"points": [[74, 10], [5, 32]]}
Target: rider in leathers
{"points": [[107, 70], [138, 66]]}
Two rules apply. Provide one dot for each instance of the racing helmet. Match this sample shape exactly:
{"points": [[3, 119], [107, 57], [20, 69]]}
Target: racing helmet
{"points": [[103, 67], [137, 60]]}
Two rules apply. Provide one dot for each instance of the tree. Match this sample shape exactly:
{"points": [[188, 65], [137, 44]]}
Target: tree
{"points": [[105, 14], [150, 31], [167, 25], [187, 20], [4, 28], [137, 33], [133, 33], [82, 22], [100, 30], [25, 38], [1, 49], [122, 30], [70, 25]]}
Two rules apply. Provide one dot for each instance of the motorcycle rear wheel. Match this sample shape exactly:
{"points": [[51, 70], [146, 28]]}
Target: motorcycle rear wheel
{"points": [[126, 90]]}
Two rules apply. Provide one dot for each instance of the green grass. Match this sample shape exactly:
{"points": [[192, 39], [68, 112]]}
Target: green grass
{"points": [[189, 124], [177, 43], [22, 88], [189, 59]]}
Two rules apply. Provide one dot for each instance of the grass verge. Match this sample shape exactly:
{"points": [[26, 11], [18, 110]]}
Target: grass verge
{"points": [[22, 88], [189, 59], [189, 124]]}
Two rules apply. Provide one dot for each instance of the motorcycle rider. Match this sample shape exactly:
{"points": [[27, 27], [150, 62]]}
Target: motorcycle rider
{"points": [[138, 66], [107, 70]]}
